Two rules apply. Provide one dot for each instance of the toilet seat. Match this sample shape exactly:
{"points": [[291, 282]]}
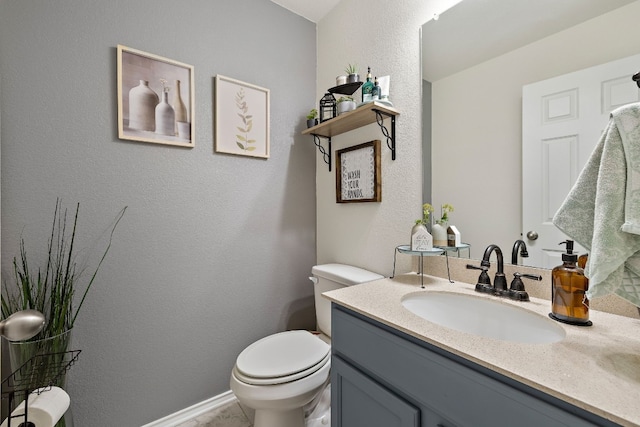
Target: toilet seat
{"points": [[283, 379], [281, 358]]}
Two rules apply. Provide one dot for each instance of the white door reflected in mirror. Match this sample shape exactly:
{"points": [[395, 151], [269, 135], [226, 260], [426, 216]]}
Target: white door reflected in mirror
{"points": [[562, 121]]}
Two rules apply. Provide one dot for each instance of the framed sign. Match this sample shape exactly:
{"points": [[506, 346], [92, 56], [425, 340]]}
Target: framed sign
{"points": [[358, 177]]}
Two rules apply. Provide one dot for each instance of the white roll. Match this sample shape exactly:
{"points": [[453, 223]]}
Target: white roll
{"points": [[46, 407]]}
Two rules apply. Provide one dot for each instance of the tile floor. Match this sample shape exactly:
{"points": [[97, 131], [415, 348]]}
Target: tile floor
{"points": [[234, 415], [230, 415]]}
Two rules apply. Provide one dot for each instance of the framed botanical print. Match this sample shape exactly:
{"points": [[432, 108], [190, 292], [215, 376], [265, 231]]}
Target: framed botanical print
{"points": [[241, 118]]}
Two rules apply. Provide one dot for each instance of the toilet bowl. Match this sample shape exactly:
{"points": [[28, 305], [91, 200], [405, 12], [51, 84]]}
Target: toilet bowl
{"points": [[279, 375]]}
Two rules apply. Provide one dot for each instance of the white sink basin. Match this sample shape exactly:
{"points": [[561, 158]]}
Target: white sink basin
{"points": [[484, 317]]}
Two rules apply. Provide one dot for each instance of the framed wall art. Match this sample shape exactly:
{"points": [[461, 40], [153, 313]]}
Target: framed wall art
{"points": [[358, 177], [241, 118], [155, 99]]}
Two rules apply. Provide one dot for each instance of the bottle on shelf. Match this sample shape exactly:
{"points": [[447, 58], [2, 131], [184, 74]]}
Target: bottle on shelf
{"points": [[375, 93], [367, 88]]}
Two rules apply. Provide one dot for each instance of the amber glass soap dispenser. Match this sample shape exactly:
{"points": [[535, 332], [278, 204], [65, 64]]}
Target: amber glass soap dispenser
{"points": [[569, 304]]}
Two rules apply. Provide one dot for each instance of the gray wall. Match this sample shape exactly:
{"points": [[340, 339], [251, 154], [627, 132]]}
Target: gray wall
{"points": [[214, 250]]}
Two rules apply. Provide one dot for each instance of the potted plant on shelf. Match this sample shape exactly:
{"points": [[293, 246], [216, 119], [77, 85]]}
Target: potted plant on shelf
{"points": [[346, 104], [51, 291], [312, 118], [439, 229], [352, 73]]}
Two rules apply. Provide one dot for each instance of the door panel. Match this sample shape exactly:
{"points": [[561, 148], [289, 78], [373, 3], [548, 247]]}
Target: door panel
{"points": [[562, 121]]}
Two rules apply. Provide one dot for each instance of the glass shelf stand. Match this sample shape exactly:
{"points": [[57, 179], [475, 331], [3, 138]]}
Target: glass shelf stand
{"points": [[437, 250]]}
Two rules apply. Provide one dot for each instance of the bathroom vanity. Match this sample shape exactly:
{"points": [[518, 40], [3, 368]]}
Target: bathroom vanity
{"points": [[393, 368]]}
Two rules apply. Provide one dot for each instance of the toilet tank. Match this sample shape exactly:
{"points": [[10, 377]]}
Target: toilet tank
{"points": [[328, 277]]}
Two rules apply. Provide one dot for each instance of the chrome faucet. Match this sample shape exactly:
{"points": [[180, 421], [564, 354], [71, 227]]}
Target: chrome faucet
{"points": [[518, 245]]}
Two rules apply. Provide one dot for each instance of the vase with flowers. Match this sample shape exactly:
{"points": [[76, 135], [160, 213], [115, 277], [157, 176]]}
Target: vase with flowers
{"points": [[439, 229], [51, 290]]}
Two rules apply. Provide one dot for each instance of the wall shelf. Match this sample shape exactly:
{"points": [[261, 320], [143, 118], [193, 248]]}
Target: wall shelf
{"points": [[361, 116]]}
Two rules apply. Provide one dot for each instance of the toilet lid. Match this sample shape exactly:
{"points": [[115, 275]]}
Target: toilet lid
{"points": [[282, 355]]}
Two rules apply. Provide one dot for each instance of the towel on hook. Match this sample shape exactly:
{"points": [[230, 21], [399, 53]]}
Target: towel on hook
{"points": [[602, 210]]}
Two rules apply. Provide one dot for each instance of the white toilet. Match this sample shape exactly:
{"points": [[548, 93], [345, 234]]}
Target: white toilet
{"points": [[282, 373]]}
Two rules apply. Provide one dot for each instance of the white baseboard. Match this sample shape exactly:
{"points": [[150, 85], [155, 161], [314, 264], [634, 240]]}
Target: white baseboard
{"points": [[193, 411]]}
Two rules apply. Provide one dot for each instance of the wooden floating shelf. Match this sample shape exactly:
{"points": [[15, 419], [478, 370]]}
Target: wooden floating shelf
{"points": [[361, 116]]}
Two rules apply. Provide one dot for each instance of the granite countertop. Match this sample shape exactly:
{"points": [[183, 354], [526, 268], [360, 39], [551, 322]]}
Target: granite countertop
{"points": [[596, 368]]}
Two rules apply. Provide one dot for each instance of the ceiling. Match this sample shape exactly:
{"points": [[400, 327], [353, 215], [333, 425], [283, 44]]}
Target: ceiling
{"points": [[477, 30], [313, 10]]}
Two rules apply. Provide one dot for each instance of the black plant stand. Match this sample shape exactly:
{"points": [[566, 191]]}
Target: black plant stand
{"points": [[20, 382]]}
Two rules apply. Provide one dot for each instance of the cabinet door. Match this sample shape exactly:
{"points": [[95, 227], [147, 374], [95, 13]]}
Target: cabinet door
{"points": [[358, 401], [431, 418], [434, 380]]}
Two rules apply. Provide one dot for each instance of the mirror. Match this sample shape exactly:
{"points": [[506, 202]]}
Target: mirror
{"points": [[476, 58]]}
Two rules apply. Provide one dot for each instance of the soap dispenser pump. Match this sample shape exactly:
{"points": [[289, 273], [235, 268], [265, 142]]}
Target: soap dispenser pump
{"points": [[569, 304]]}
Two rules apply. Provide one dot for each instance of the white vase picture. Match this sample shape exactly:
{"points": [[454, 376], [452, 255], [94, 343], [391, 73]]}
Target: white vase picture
{"points": [[142, 106], [155, 99], [165, 117]]}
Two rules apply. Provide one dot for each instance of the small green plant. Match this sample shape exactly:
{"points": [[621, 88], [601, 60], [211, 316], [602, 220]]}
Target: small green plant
{"points": [[351, 69], [444, 211], [427, 209], [345, 98], [313, 114]]}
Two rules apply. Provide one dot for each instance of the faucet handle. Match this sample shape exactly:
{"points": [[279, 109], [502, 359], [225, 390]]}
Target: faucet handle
{"points": [[516, 290], [484, 281]]}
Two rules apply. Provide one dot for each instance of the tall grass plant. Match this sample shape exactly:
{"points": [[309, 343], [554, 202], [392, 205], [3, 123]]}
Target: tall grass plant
{"points": [[51, 290]]}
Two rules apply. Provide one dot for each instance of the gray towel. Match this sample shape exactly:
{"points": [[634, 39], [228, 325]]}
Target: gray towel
{"points": [[602, 210]]}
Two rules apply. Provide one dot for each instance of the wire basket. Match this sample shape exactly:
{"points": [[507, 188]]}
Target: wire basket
{"points": [[40, 373]]}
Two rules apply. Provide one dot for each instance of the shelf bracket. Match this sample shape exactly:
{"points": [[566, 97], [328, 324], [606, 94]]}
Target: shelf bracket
{"points": [[391, 139], [326, 154]]}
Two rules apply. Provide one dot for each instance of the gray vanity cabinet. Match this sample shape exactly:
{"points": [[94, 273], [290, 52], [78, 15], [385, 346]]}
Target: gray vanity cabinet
{"points": [[381, 377], [367, 403]]}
